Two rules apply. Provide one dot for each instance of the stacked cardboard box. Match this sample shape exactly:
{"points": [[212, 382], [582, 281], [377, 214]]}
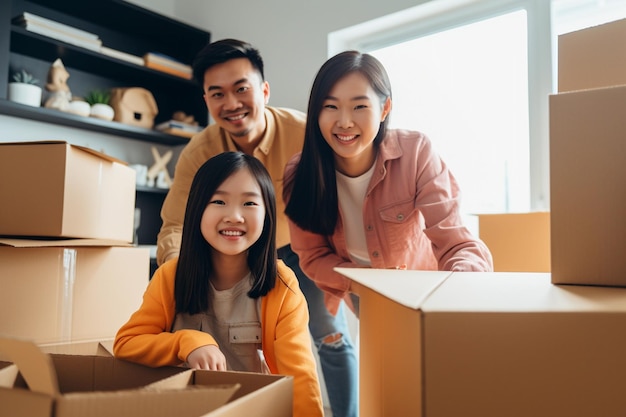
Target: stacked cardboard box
{"points": [[441, 344], [67, 268], [588, 158]]}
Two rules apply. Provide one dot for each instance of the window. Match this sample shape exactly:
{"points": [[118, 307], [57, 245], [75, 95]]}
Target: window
{"points": [[475, 76]]}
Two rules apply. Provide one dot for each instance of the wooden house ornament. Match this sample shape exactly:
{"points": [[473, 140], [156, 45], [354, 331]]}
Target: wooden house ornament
{"points": [[134, 106]]}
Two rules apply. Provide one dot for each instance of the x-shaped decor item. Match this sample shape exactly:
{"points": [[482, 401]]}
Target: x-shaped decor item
{"points": [[160, 165]]}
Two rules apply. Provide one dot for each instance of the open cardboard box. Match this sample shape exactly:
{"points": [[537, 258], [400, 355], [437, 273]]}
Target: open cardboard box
{"points": [[442, 344], [43, 385], [256, 394]]}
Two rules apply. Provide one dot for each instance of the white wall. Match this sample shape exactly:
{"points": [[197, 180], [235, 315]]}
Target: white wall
{"points": [[290, 34]]}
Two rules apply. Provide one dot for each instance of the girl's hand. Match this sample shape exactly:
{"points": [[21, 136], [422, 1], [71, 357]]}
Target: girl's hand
{"points": [[208, 357]]}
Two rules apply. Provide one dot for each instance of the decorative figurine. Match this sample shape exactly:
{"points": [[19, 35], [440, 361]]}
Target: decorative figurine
{"points": [[60, 94]]}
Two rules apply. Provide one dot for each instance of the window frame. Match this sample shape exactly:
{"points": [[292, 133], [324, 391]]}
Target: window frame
{"points": [[440, 15]]}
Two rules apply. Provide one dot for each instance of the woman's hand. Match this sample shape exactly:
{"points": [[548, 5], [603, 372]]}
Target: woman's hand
{"points": [[208, 357]]}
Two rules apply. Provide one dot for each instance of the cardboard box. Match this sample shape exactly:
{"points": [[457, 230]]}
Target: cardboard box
{"points": [[441, 344], [593, 57], [54, 189], [99, 386], [78, 290], [587, 187], [257, 394], [519, 242]]}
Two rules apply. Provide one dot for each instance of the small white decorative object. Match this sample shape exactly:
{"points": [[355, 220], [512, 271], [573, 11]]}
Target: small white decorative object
{"points": [[81, 108], [141, 174], [102, 111], [24, 89], [100, 108]]}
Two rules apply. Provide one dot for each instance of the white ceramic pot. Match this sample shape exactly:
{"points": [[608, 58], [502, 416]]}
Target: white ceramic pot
{"points": [[102, 111], [81, 108], [27, 94]]}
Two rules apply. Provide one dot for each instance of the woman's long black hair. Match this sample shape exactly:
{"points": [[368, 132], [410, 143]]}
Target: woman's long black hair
{"points": [[192, 290], [311, 191]]}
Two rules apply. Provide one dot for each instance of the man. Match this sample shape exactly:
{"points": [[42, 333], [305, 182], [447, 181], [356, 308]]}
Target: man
{"points": [[236, 94]]}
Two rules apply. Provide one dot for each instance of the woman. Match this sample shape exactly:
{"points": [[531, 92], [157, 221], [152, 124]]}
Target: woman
{"points": [[362, 195]]}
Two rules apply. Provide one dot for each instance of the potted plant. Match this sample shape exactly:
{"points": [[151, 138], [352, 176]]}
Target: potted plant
{"points": [[99, 101], [24, 89]]}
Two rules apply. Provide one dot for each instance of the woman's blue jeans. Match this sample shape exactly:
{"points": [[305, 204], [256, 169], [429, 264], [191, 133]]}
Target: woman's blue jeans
{"points": [[334, 346]]}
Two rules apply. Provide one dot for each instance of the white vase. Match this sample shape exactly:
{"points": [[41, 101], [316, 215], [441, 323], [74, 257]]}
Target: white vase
{"points": [[27, 94], [102, 111], [81, 108]]}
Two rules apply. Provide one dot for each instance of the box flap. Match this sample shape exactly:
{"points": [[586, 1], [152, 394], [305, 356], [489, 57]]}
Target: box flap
{"points": [[35, 366], [103, 348], [64, 243], [82, 148], [8, 375], [520, 292], [408, 288]]}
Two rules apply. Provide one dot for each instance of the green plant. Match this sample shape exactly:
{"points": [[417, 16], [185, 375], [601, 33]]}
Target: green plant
{"points": [[25, 78], [98, 97]]}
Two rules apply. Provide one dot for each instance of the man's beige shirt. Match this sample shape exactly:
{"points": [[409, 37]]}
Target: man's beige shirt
{"points": [[283, 137]]}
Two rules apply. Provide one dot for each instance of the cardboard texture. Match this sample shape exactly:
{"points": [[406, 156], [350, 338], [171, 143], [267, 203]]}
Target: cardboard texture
{"points": [[588, 187], [69, 293], [54, 189], [74, 363], [99, 386], [441, 344], [519, 242], [593, 57]]}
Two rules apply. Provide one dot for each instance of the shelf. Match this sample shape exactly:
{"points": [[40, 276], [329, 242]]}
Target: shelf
{"points": [[52, 116], [172, 36], [48, 49], [153, 190]]}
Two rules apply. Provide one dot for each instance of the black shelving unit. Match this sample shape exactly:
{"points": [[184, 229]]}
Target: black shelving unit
{"points": [[120, 25]]}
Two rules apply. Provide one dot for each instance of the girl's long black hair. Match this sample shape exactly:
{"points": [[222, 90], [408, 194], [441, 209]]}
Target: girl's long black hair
{"points": [[311, 191], [192, 289]]}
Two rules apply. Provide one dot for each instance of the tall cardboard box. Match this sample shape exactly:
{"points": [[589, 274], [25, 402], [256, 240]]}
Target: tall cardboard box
{"points": [[440, 344], [54, 189], [59, 291], [518, 242], [593, 57], [588, 186]]}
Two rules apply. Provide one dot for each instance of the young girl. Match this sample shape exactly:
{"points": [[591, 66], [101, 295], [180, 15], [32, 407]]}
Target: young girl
{"points": [[227, 296], [362, 195]]}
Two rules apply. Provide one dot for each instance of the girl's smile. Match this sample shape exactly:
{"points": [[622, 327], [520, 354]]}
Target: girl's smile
{"points": [[233, 219]]}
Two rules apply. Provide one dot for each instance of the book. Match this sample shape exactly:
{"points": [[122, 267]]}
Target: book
{"points": [[27, 17], [124, 56], [157, 58], [173, 71], [64, 37]]}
